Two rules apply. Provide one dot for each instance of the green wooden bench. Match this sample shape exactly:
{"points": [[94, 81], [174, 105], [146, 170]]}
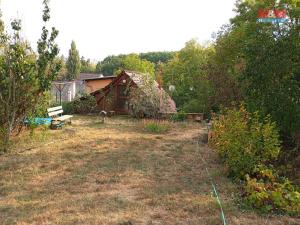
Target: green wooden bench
{"points": [[58, 120]]}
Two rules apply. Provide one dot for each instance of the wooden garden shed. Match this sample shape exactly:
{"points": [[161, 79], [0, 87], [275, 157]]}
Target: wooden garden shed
{"points": [[116, 96]]}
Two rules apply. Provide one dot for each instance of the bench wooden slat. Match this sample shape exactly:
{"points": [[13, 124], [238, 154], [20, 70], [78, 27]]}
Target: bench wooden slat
{"points": [[54, 109], [62, 118], [57, 118], [55, 113]]}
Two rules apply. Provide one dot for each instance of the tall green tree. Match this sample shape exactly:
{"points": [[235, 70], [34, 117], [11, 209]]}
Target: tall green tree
{"points": [[156, 57], [109, 65], [268, 59], [134, 63], [187, 73], [87, 66], [73, 62], [24, 76], [63, 70], [225, 67]]}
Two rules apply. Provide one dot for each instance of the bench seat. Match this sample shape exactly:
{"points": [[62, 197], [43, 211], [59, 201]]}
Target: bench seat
{"points": [[63, 118], [57, 118]]}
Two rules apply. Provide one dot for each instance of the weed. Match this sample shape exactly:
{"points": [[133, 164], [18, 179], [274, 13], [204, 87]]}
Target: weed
{"points": [[156, 126]]}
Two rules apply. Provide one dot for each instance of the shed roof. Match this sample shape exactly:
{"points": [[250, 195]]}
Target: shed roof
{"points": [[137, 78], [146, 85], [93, 76]]}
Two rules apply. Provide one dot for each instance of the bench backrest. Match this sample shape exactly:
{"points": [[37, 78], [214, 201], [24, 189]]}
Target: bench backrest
{"points": [[55, 111]]}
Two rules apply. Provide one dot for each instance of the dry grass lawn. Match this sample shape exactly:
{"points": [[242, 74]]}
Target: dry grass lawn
{"points": [[117, 173]]}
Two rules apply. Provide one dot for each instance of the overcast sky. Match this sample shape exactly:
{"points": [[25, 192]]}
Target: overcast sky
{"points": [[106, 27]]}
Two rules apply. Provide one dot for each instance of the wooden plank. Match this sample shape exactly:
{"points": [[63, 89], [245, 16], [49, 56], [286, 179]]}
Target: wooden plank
{"points": [[62, 118], [54, 109], [65, 117], [55, 113]]}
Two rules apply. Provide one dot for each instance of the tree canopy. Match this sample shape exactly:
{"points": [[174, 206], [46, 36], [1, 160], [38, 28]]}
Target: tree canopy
{"points": [[156, 57], [187, 72], [113, 64], [264, 58], [87, 66], [73, 62], [25, 76], [109, 65], [134, 63]]}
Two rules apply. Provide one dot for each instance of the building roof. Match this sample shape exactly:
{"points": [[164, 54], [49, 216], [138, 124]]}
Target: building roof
{"points": [[146, 85], [93, 76], [137, 78], [101, 78]]}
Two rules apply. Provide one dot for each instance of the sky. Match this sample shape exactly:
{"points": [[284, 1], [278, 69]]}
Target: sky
{"points": [[111, 27]]}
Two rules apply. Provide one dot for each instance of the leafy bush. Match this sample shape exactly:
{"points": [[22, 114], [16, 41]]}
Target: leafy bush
{"points": [[82, 104], [194, 106], [244, 141], [41, 108], [181, 116], [68, 107], [85, 104], [156, 126], [248, 146], [270, 193]]}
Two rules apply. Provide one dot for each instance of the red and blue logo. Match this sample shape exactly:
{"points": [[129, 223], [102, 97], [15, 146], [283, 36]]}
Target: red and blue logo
{"points": [[272, 15]]}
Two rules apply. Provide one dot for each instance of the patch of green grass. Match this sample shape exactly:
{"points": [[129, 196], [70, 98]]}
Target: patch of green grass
{"points": [[156, 126], [178, 117]]}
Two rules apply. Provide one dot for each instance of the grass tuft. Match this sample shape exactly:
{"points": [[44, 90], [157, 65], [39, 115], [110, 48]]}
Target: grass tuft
{"points": [[156, 126]]}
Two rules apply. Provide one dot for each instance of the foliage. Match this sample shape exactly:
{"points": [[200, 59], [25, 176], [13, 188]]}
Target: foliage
{"points": [[62, 74], [244, 141], [270, 193], [263, 58], [148, 100], [24, 75], [156, 57], [109, 65], [68, 107], [194, 106], [1, 25], [187, 72], [178, 117], [87, 66], [156, 126], [248, 147], [133, 62], [73, 62], [85, 104], [223, 69], [143, 104], [43, 104]]}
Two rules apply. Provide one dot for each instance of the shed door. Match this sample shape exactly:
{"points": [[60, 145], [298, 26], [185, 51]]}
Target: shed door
{"points": [[122, 98]]}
